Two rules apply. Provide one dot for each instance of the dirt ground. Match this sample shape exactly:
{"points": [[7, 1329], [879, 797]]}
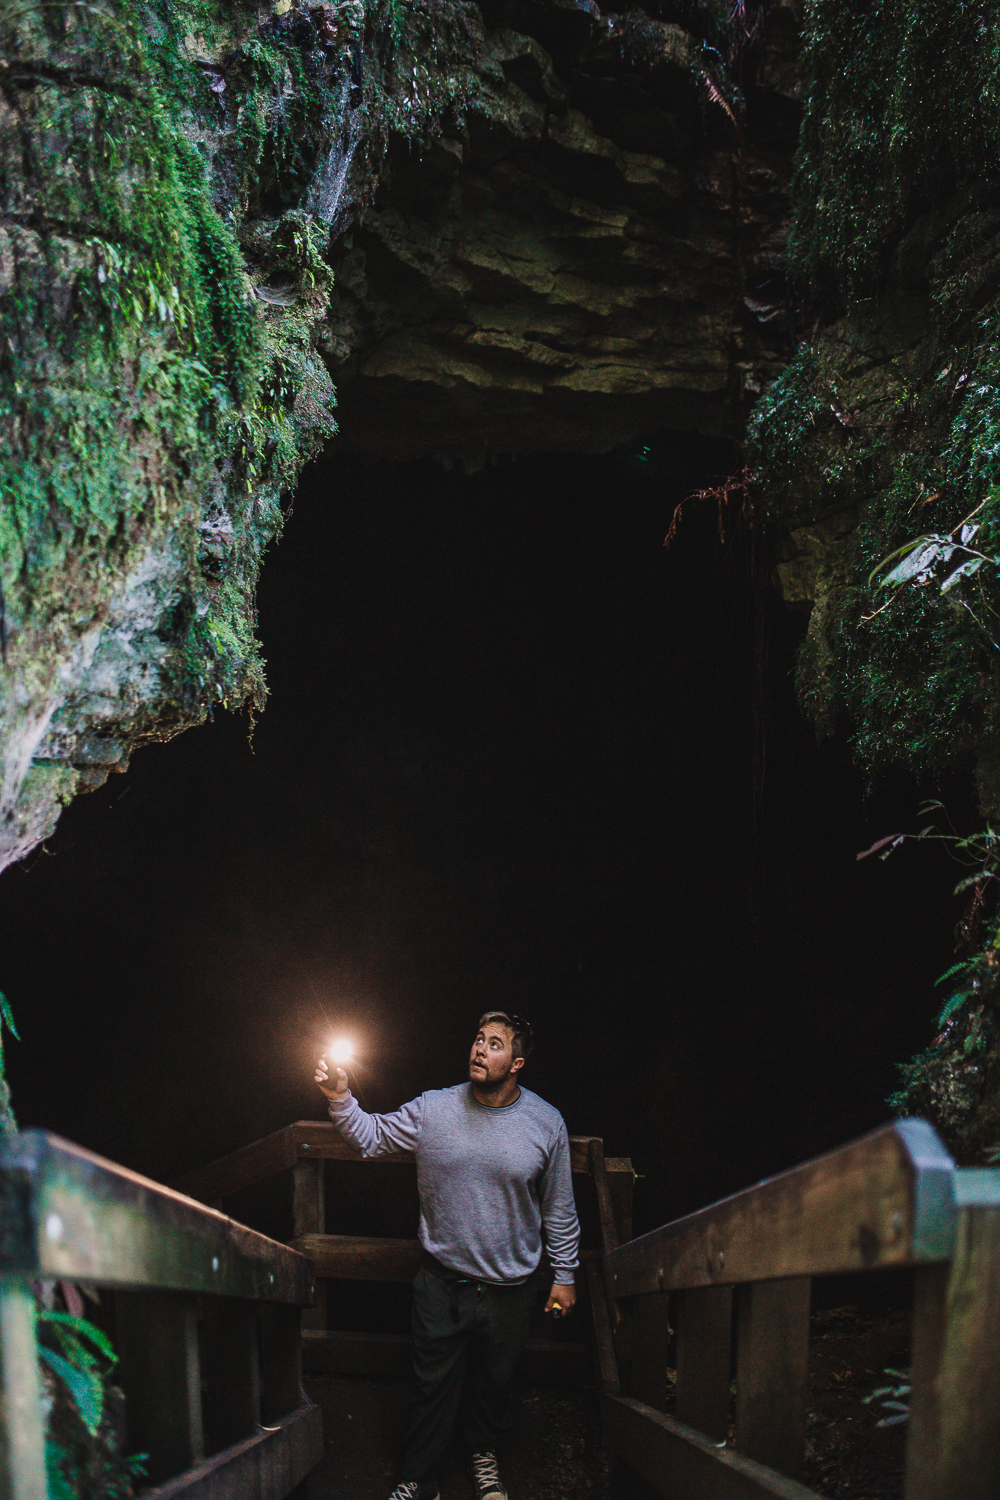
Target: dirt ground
{"points": [[555, 1450], [849, 1456]]}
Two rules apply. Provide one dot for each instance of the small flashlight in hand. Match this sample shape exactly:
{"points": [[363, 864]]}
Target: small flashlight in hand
{"points": [[557, 1311], [340, 1052]]}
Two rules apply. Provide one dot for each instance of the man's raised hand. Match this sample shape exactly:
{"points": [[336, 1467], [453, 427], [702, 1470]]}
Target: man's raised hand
{"points": [[341, 1087]]}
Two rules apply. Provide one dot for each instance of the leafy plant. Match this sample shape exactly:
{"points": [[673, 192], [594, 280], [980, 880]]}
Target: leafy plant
{"points": [[83, 1439], [78, 1366], [945, 559], [888, 1397], [8, 1124]]}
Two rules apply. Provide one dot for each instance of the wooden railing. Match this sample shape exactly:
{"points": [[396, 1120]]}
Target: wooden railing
{"points": [[301, 1149], [893, 1198], [206, 1316]]}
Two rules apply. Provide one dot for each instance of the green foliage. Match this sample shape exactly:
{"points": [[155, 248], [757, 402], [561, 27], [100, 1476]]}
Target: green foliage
{"points": [[903, 102], [784, 418], [949, 1080], [8, 1124], [84, 1436], [888, 1397], [289, 108], [84, 1386], [75, 1362], [891, 422]]}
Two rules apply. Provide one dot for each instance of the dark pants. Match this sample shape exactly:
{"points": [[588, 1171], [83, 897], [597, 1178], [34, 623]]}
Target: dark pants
{"points": [[467, 1336]]}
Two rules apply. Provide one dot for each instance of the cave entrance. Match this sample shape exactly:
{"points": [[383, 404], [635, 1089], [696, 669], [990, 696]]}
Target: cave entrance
{"points": [[514, 748]]}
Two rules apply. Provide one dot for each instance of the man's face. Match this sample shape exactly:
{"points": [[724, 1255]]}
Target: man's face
{"points": [[490, 1061]]}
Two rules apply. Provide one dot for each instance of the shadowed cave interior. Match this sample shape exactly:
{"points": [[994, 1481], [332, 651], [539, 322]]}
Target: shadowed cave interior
{"points": [[508, 758]]}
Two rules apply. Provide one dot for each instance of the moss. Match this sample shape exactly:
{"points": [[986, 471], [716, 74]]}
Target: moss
{"points": [[784, 418], [143, 394], [903, 106]]}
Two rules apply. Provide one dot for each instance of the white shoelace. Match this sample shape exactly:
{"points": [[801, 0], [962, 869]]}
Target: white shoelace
{"points": [[484, 1469]]}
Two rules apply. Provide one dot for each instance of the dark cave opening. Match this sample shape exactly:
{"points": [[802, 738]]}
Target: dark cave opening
{"points": [[508, 758]]}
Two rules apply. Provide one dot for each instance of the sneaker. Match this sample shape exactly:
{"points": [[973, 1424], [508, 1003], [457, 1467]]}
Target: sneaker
{"points": [[486, 1477], [416, 1489]]}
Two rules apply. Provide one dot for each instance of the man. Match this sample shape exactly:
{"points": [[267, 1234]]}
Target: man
{"points": [[493, 1173]]}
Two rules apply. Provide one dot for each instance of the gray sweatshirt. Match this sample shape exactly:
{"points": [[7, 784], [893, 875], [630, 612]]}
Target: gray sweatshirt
{"points": [[490, 1180]]}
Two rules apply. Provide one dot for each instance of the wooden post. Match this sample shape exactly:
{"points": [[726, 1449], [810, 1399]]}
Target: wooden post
{"points": [[22, 1432], [621, 1182], [954, 1438], [772, 1367], [704, 1359], [230, 1371], [609, 1242], [161, 1378], [280, 1361], [650, 1349], [604, 1343], [309, 1217]]}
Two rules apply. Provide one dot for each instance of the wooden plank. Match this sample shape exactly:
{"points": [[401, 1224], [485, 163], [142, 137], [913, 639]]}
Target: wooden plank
{"points": [[884, 1200], [359, 1257], [280, 1361], [267, 1466], [240, 1169], [22, 1434], [604, 1342], [953, 1444], [685, 1465], [309, 1217], [704, 1359], [82, 1218], [390, 1356], [321, 1139], [230, 1371], [161, 1377], [772, 1372], [648, 1374]]}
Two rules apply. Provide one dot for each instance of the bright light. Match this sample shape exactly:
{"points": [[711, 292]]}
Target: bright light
{"points": [[341, 1051]]}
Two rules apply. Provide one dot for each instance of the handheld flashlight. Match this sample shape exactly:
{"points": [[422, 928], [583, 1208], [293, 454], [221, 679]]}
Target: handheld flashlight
{"points": [[341, 1052]]}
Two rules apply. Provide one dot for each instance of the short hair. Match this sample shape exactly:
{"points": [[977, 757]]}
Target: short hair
{"points": [[522, 1040]]}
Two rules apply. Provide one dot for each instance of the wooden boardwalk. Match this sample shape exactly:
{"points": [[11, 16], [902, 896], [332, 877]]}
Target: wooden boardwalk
{"points": [[693, 1378]]}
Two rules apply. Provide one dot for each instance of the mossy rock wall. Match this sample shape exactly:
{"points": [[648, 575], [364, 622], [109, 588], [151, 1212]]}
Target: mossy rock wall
{"points": [[885, 429], [152, 406]]}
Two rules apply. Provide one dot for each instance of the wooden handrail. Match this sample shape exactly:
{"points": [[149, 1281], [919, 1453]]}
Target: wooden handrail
{"points": [[207, 1323], [320, 1140], [887, 1199], [892, 1198], [70, 1214]]}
